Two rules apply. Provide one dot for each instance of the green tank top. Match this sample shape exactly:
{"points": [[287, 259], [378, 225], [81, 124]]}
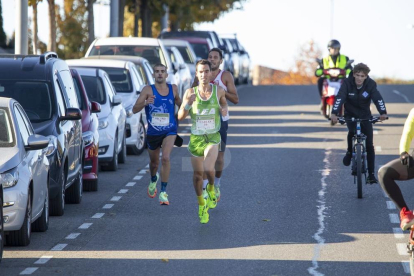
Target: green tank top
{"points": [[205, 114]]}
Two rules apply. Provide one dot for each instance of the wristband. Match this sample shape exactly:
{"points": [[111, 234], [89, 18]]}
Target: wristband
{"points": [[187, 107]]}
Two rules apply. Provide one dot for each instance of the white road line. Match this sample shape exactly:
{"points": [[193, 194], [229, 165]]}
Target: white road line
{"points": [[142, 171], [390, 205], [402, 249], [138, 177], [398, 233], [402, 95], [123, 191], [85, 226], [394, 218], [29, 270], [321, 217], [378, 148], [43, 260], [406, 266], [72, 236], [131, 184], [383, 192], [59, 247], [107, 206], [116, 198], [98, 215], [147, 166], [376, 132]]}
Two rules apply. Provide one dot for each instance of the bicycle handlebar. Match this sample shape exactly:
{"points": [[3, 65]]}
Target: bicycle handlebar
{"points": [[373, 120]]}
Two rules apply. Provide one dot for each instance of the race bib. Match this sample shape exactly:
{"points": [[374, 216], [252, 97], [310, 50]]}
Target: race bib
{"points": [[160, 119], [205, 122]]}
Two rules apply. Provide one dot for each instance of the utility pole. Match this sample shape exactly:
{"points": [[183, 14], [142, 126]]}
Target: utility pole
{"points": [[21, 40], [164, 18], [114, 14]]}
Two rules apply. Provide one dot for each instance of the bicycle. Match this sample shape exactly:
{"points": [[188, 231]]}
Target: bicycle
{"points": [[359, 155]]}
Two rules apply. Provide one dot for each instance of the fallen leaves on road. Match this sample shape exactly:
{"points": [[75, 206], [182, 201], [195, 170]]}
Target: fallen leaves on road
{"points": [[165, 260], [266, 219]]}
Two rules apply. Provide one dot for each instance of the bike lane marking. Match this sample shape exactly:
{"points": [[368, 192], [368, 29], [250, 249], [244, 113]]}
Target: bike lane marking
{"points": [[394, 218], [43, 260], [28, 271], [72, 236], [321, 217], [390, 205]]}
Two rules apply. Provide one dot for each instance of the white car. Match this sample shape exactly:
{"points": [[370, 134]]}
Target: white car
{"points": [[24, 175], [152, 49], [186, 51], [112, 118], [128, 84], [182, 69]]}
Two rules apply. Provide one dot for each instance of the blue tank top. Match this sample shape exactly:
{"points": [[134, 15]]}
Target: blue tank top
{"points": [[161, 114]]}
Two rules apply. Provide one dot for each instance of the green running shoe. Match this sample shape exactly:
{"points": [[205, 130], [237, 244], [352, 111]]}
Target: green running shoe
{"points": [[152, 188], [212, 199], [163, 198], [217, 191], [203, 213], [205, 195]]}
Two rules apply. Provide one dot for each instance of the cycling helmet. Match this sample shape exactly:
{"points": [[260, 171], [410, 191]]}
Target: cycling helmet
{"points": [[334, 44]]}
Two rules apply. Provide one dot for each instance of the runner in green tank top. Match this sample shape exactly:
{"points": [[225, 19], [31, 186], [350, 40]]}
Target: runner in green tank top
{"points": [[204, 103]]}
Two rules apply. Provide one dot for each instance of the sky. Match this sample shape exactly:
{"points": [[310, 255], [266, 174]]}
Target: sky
{"points": [[375, 32]]}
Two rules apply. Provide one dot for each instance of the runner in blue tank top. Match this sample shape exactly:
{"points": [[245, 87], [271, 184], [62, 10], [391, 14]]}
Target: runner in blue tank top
{"points": [[159, 101]]}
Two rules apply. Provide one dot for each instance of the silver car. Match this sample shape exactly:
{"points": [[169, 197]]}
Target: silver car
{"points": [[24, 175]]}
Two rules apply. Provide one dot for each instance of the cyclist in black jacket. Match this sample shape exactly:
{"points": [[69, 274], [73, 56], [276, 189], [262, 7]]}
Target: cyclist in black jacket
{"points": [[356, 93]]}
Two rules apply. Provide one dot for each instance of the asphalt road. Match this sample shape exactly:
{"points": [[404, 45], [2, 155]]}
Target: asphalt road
{"points": [[288, 205]]}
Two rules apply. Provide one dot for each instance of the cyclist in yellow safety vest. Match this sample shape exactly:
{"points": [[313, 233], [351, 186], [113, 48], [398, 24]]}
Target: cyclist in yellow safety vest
{"points": [[334, 60]]}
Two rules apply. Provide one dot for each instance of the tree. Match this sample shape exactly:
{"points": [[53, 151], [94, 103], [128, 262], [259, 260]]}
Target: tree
{"points": [[34, 3], [3, 38], [51, 46], [91, 25]]}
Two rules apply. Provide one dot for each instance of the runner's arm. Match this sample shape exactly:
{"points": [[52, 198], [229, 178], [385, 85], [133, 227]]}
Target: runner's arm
{"points": [[223, 101], [140, 103], [231, 94], [183, 111], [177, 98]]}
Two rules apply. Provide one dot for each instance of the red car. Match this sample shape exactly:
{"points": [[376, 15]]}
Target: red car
{"points": [[90, 134]]}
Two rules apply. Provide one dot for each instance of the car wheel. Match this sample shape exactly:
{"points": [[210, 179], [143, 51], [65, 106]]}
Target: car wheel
{"points": [[139, 147], [90, 185], [1, 228], [74, 192], [122, 155], [22, 237], [57, 204], [113, 165], [42, 223]]}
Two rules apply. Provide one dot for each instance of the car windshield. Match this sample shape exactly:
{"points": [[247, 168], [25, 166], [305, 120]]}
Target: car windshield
{"points": [[201, 50], [153, 54], [81, 100], [33, 96], [6, 137], [188, 58], [94, 89], [120, 79]]}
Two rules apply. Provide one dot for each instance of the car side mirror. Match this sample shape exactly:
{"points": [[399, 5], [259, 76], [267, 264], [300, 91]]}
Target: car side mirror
{"points": [[72, 114], [95, 107], [117, 100], [36, 142], [182, 66]]}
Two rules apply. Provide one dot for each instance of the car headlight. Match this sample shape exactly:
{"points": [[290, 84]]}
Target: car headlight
{"points": [[129, 112], [10, 178], [52, 146], [103, 123], [87, 138]]}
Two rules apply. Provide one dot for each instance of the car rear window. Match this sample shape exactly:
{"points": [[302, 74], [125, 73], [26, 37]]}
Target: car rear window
{"points": [[6, 137], [120, 79], [201, 50], [153, 54], [33, 96], [188, 58], [94, 89]]}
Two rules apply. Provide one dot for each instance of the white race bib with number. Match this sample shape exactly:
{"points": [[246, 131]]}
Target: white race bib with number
{"points": [[160, 119], [205, 122]]}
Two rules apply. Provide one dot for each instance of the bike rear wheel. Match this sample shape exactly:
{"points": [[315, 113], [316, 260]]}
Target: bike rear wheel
{"points": [[359, 169]]}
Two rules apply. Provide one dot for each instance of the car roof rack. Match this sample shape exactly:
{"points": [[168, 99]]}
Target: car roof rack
{"points": [[46, 56]]}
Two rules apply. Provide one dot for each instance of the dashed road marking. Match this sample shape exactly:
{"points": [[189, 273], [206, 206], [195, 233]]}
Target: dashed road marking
{"points": [[59, 247], [398, 233], [378, 148], [147, 166], [72, 236], [406, 266], [375, 132], [107, 206], [98, 215], [390, 205], [394, 218], [402, 249], [85, 226], [138, 177], [116, 198], [123, 191], [29, 270], [142, 171], [383, 192], [43, 260]]}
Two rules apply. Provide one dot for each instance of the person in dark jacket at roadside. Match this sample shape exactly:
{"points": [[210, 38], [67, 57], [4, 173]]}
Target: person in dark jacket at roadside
{"points": [[356, 93]]}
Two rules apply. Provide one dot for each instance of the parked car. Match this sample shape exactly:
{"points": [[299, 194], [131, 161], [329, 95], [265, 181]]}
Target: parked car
{"points": [[186, 51], [244, 60], [1, 222], [43, 85], [217, 42], [183, 70], [112, 118], [201, 46], [128, 84], [151, 49], [234, 55], [90, 134], [24, 174]]}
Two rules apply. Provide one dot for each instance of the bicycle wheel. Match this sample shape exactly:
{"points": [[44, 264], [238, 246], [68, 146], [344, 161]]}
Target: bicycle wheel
{"points": [[359, 169]]}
